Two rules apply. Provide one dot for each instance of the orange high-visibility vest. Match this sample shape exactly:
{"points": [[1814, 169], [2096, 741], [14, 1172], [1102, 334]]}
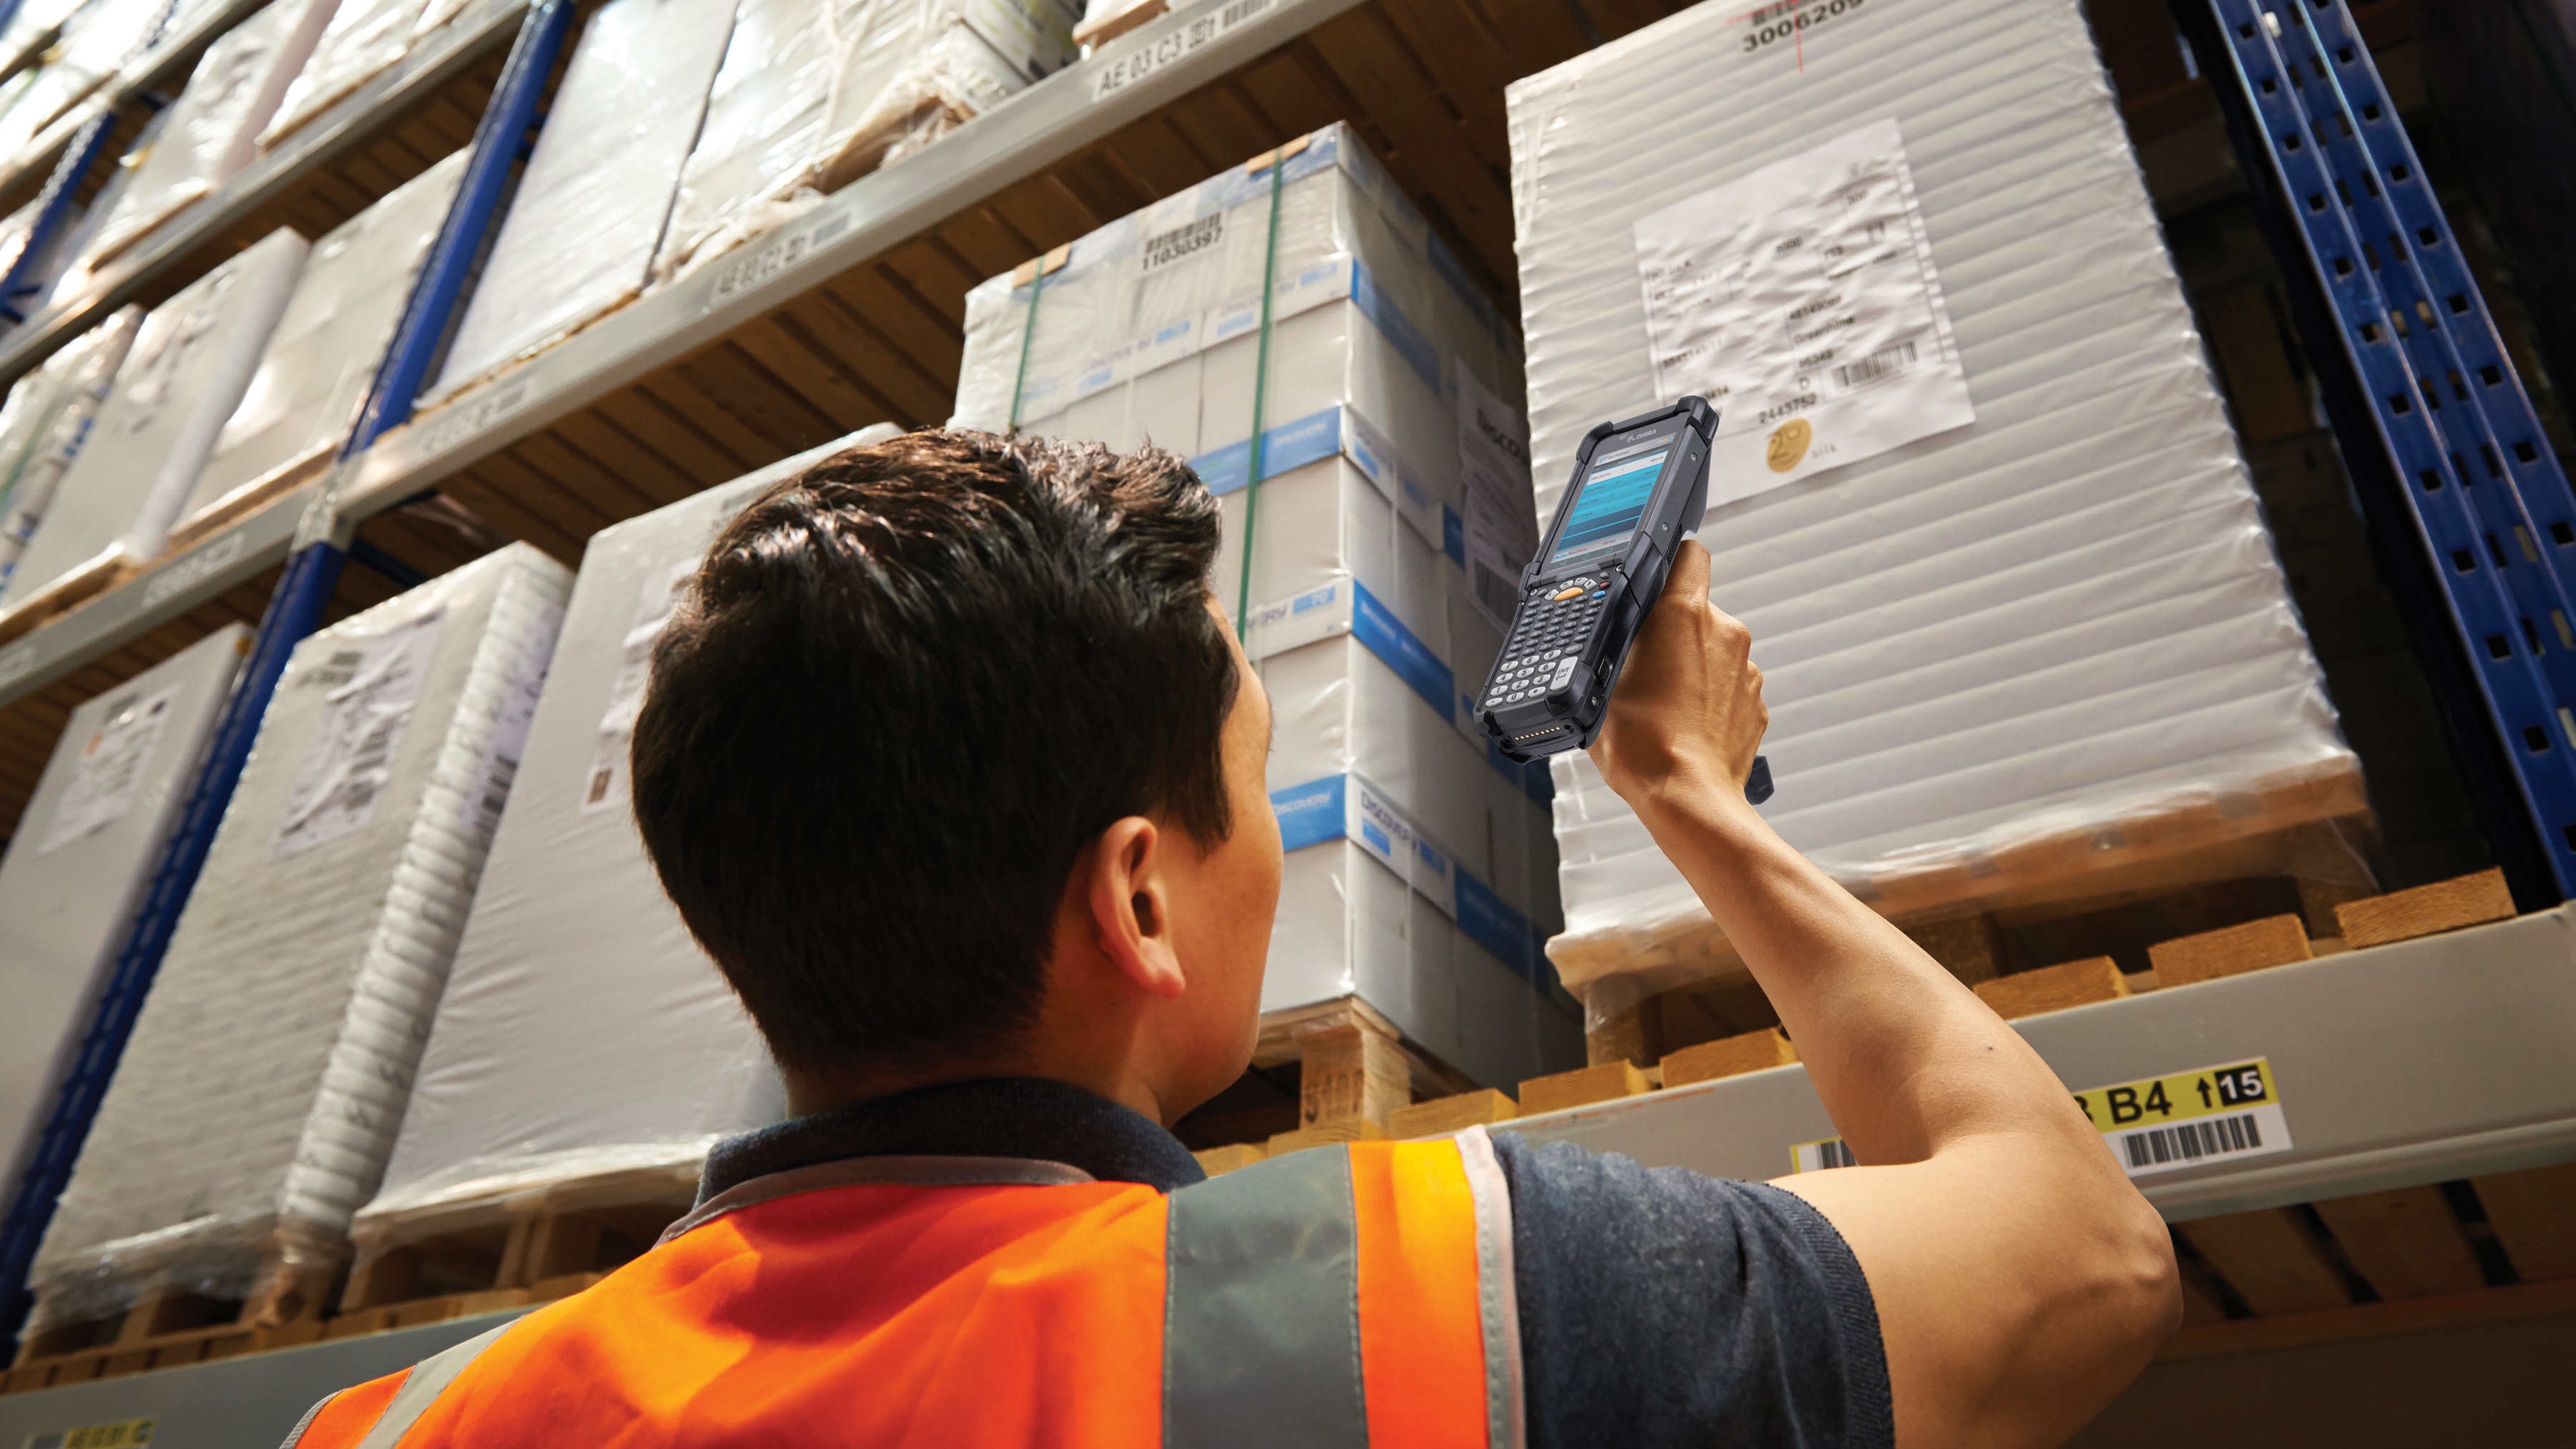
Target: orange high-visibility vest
{"points": [[1354, 1296]]}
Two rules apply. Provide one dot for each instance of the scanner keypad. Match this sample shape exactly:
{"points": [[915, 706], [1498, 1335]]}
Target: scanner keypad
{"points": [[1547, 643]]}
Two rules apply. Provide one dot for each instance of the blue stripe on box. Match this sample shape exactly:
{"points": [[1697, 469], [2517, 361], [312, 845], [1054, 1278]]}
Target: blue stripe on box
{"points": [[1453, 535], [1533, 778], [1289, 445], [1407, 339], [1384, 635], [1494, 925], [1312, 813]]}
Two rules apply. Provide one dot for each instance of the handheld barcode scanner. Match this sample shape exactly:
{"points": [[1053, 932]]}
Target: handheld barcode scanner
{"points": [[1639, 488]]}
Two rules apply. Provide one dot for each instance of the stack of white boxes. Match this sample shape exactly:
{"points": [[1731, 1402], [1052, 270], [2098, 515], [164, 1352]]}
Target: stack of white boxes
{"points": [[583, 1034], [1972, 490], [80, 860], [255, 1103], [1388, 530], [46, 420]]}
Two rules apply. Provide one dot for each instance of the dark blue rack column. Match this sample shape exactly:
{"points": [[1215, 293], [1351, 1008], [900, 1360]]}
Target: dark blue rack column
{"points": [[2427, 407], [294, 611]]}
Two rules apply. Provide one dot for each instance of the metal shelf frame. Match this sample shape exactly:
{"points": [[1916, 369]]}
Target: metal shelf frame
{"points": [[2424, 1061]]}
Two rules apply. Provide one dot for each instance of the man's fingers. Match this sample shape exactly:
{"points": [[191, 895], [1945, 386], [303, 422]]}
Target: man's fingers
{"points": [[1687, 584]]}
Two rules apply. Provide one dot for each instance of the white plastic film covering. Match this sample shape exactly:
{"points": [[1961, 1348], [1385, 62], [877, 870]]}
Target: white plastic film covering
{"points": [[96, 40], [1991, 651], [214, 127], [580, 236], [46, 420], [191, 362], [259, 1095], [323, 356], [77, 866], [44, 263], [583, 1032], [364, 38], [32, 30], [815, 93]]}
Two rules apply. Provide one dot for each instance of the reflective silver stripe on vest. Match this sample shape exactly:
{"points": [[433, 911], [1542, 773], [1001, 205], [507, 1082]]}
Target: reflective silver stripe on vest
{"points": [[1261, 1330], [879, 1172], [1497, 1297], [421, 1387]]}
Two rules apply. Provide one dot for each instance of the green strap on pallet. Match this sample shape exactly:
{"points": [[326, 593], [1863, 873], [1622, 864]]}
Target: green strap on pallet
{"points": [[1028, 340], [1260, 394]]}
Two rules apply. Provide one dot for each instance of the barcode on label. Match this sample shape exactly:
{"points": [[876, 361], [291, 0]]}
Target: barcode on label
{"points": [[1117, 75], [2192, 1141], [339, 670], [496, 792], [1875, 366], [1820, 1156]]}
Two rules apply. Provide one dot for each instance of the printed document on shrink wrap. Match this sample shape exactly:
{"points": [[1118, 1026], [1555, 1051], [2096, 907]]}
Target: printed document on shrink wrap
{"points": [[322, 358], [256, 1102], [583, 1033], [2005, 572], [190, 363], [587, 218], [77, 866]]}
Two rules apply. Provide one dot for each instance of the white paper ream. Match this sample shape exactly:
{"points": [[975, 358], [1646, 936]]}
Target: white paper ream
{"points": [[1802, 303], [580, 236], [266, 1075], [190, 363], [214, 127], [364, 38], [47, 420], [1494, 477], [322, 358], [370, 685], [2061, 616], [583, 1031], [84, 852]]}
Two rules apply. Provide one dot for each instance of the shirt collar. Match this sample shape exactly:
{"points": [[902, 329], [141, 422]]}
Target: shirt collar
{"points": [[1012, 1117]]}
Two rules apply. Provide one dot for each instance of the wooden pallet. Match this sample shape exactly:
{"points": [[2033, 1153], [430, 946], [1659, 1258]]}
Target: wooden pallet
{"points": [[248, 499], [1356, 1079], [529, 1247], [65, 594], [170, 1328]]}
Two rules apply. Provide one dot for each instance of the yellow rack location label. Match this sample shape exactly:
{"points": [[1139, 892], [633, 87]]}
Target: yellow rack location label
{"points": [[123, 1434], [2160, 1124]]}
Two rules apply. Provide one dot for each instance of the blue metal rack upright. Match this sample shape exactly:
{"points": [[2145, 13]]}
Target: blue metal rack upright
{"points": [[2423, 397], [294, 610]]}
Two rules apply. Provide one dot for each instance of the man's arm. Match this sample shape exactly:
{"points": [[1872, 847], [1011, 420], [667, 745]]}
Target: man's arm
{"points": [[2020, 1280]]}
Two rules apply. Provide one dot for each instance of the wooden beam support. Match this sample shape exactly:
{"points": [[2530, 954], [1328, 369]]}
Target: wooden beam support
{"points": [[2273, 941], [2054, 988], [2469, 900]]}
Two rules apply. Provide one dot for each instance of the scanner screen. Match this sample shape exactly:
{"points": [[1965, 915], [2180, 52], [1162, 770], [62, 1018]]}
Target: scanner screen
{"points": [[1605, 514]]}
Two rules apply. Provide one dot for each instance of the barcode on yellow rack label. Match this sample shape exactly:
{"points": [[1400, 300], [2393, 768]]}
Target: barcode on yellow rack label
{"points": [[1817, 1156], [2188, 1119], [125, 1434]]}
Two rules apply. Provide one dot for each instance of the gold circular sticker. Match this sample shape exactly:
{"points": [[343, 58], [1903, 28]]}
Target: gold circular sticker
{"points": [[1788, 444]]}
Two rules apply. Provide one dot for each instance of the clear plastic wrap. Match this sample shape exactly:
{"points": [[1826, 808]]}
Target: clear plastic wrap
{"points": [[191, 361], [47, 419], [322, 357], [2012, 653], [96, 40], [583, 1033], [260, 1092], [32, 30], [213, 131], [581, 233], [816, 93], [364, 38], [77, 865]]}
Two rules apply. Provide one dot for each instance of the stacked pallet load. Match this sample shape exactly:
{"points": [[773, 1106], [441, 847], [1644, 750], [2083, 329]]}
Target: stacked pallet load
{"points": [[46, 420], [95, 41], [2023, 628], [78, 864], [586, 1051], [322, 359], [1386, 531], [258, 1096], [365, 39], [813, 96], [191, 361]]}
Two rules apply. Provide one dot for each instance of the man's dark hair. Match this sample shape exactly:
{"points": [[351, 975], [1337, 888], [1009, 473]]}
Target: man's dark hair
{"points": [[905, 690]]}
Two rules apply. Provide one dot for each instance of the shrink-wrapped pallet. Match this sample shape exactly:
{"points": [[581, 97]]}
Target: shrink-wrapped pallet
{"points": [[46, 420], [96, 40], [584, 1035], [1393, 483], [1973, 489], [259, 1094], [191, 361], [364, 39], [814, 94], [323, 356], [77, 867], [32, 30], [213, 129], [582, 230]]}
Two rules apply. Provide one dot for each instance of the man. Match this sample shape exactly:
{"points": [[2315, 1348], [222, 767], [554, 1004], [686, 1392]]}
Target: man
{"points": [[955, 768]]}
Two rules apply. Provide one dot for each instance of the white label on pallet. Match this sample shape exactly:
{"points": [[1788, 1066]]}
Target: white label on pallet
{"points": [[108, 774], [372, 683], [759, 264], [1173, 45], [2158, 1124], [16, 660], [465, 419], [1801, 302], [626, 696], [1502, 522]]}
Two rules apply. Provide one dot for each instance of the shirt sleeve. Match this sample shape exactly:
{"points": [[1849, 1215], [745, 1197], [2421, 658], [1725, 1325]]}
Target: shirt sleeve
{"points": [[1659, 1307]]}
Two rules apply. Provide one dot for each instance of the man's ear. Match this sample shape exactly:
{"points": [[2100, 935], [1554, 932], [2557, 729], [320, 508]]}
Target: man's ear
{"points": [[1130, 912]]}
